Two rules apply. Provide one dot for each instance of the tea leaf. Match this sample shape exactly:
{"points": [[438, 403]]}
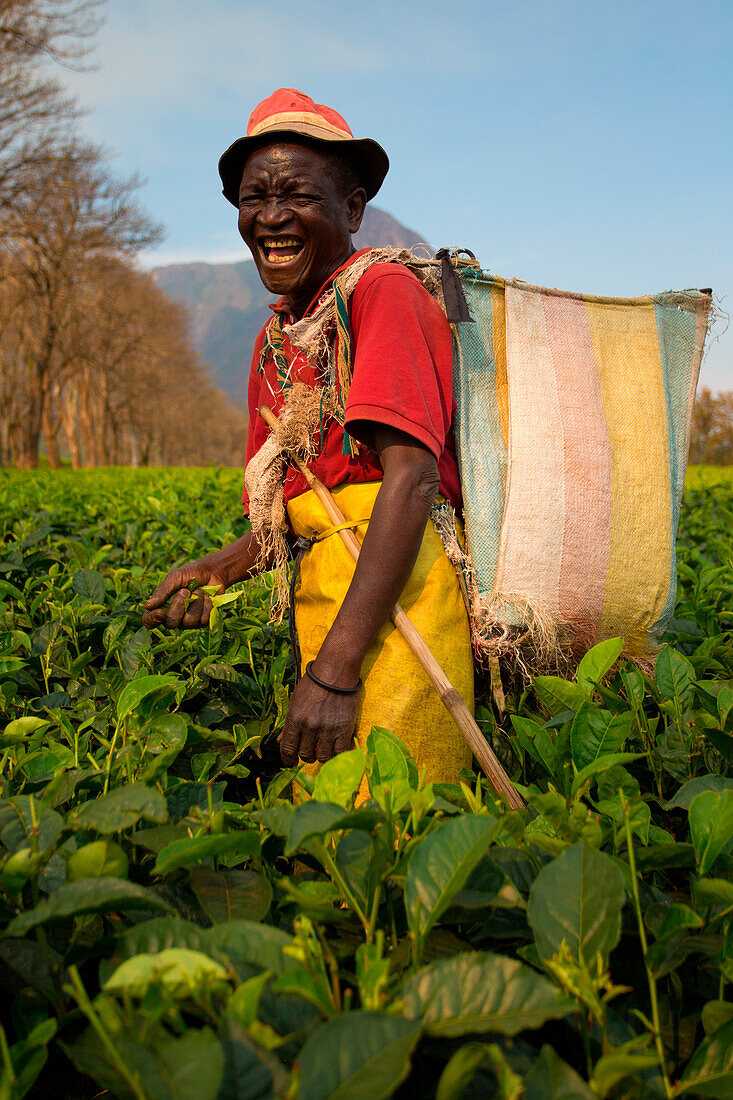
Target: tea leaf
{"points": [[597, 733], [139, 690], [121, 809], [317, 818], [182, 853], [557, 694], [460, 1071], [711, 826], [613, 1068], [231, 895], [600, 765], [193, 1065], [683, 799], [89, 584], [440, 867], [97, 895], [390, 770], [536, 740], [361, 1054], [552, 1079], [179, 970], [22, 727], [674, 675], [710, 1070], [479, 992], [596, 663], [339, 778], [725, 705], [716, 1014], [577, 899]]}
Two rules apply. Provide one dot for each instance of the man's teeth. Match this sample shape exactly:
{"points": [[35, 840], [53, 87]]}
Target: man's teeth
{"points": [[273, 247]]}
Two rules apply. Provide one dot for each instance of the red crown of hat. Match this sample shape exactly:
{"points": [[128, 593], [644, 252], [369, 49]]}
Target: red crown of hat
{"points": [[288, 111], [287, 108]]}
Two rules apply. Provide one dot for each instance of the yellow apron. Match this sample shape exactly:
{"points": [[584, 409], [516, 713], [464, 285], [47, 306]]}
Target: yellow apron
{"points": [[397, 693]]}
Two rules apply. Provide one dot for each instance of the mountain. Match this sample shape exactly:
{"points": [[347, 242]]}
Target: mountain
{"points": [[380, 230], [227, 303]]}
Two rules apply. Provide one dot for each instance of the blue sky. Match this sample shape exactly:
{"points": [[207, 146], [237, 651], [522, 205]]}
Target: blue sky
{"points": [[583, 144]]}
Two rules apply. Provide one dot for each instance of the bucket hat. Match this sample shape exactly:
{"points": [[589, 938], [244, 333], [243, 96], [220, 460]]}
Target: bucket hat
{"points": [[290, 112]]}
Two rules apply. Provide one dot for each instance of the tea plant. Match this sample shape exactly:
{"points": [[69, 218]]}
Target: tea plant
{"points": [[178, 925]]}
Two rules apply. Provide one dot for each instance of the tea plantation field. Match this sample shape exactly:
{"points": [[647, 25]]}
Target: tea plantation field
{"points": [[173, 927]]}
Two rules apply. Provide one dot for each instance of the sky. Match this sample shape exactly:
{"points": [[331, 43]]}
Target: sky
{"points": [[583, 144]]}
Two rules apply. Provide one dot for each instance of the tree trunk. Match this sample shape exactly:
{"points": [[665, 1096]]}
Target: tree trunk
{"points": [[67, 408], [30, 435], [85, 420], [50, 428], [102, 422], [134, 460]]}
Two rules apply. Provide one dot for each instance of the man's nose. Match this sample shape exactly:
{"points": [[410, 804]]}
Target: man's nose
{"points": [[274, 213]]}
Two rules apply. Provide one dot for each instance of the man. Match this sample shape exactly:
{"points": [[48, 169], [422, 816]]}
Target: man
{"points": [[301, 182]]}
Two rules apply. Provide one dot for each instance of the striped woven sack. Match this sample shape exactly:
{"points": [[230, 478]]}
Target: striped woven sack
{"points": [[573, 430]]}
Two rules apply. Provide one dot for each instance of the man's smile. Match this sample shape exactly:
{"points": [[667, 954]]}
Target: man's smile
{"points": [[280, 250]]}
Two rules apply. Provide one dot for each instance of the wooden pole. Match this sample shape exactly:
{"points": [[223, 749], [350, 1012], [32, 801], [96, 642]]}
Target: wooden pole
{"points": [[452, 699]]}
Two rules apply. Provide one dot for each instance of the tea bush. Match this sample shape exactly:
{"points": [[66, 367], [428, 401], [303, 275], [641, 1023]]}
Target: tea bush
{"points": [[176, 926]]}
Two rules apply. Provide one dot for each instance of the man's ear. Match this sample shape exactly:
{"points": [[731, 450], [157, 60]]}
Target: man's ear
{"points": [[355, 207]]}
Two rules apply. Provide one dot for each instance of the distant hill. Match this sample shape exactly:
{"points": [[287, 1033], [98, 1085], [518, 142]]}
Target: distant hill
{"points": [[228, 303]]}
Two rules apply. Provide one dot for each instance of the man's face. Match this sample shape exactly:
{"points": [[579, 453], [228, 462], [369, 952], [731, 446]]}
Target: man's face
{"points": [[295, 220]]}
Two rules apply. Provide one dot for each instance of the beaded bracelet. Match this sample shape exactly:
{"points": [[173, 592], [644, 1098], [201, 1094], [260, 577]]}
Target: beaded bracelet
{"points": [[330, 687]]}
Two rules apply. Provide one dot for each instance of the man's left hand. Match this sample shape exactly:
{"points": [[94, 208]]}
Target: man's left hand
{"points": [[320, 724]]}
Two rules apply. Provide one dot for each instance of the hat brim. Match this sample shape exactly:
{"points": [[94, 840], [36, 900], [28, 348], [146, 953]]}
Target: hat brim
{"points": [[371, 161]]}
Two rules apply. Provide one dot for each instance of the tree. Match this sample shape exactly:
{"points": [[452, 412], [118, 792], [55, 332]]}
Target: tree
{"points": [[70, 214], [127, 386], [140, 395], [712, 429], [91, 352], [35, 113]]}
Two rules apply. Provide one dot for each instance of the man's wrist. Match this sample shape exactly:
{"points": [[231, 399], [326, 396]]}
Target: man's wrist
{"points": [[232, 563], [330, 685], [341, 671]]}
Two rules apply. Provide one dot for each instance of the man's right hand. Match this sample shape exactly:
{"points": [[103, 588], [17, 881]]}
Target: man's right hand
{"points": [[183, 611], [235, 562]]}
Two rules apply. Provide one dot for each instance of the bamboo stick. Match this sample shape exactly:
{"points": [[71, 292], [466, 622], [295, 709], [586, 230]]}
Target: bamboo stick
{"points": [[451, 698]]}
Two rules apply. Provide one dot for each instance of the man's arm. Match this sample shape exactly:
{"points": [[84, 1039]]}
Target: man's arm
{"points": [[321, 723], [223, 568]]}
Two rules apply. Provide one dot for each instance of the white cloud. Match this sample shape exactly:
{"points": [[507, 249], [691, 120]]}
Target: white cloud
{"points": [[164, 257], [157, 54]]}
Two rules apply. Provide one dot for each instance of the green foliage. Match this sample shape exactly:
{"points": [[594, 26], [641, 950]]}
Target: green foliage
{"points": [[174, 926], [358, 1055], [481, 992], [576, 900]]}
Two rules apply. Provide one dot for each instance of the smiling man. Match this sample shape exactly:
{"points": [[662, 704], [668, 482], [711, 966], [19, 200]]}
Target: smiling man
{"points": [[301, 182]]}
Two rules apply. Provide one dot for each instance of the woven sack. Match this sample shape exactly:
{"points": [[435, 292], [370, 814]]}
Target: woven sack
{"points": [[573, 429]]}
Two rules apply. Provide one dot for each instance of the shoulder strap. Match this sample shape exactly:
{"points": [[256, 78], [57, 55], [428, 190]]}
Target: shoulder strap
{"points": [[456, 307]]}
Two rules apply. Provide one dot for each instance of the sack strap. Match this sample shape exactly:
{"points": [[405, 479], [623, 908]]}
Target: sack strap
{"points": [[456, 306]]}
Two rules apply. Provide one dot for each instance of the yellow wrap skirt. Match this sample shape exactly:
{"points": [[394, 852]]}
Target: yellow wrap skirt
{"points": [[397, 693]]}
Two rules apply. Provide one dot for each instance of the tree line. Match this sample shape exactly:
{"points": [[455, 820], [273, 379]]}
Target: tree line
{"points": [[96, 363]]}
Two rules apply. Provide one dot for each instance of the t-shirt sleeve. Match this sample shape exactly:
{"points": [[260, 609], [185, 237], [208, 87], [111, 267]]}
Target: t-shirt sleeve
{"points": [[403, 360], [254, 389]]}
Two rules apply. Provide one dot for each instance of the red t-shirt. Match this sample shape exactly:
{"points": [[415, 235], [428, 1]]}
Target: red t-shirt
{"points": [[402, 376]]}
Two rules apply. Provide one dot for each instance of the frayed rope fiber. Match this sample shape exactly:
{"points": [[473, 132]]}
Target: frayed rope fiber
{"points": [[294, 437]]}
